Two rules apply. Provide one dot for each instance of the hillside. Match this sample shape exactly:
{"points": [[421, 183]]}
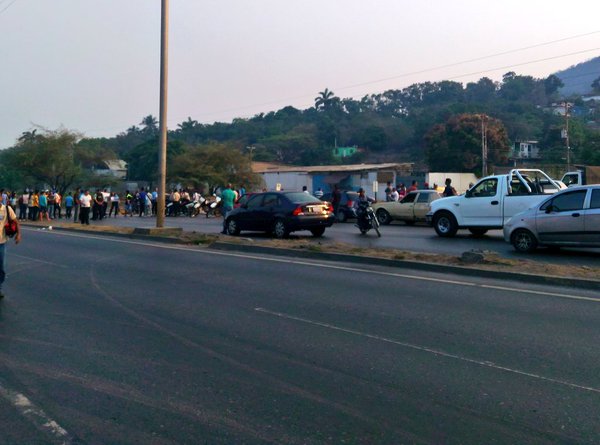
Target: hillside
{"points": [[578, 78]]}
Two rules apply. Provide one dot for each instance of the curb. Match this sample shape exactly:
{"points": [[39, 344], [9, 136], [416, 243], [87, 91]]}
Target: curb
{"points": [[416, 265], [137, 236]]}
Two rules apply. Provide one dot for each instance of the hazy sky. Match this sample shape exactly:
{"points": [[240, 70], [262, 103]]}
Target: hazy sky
{"points": [[93, 65]]}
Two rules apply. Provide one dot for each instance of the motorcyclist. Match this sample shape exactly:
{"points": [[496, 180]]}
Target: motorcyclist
{"points": [[361, 204]]}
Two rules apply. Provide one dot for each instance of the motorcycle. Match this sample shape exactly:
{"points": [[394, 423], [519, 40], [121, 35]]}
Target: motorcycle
{"points": [[366, 219], [212, 207], [193, 208]]}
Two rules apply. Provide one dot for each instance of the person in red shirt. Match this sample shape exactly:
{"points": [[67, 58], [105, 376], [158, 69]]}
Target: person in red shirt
{"points": [[413, 187]]}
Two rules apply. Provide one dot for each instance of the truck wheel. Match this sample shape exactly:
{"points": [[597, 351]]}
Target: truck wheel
{"points": [[341, 216], [445, 224], [383, 216], [523, 241], [477, 232]]}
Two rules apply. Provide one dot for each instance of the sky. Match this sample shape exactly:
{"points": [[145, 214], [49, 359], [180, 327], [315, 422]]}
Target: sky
{"points": [[92, 66]]}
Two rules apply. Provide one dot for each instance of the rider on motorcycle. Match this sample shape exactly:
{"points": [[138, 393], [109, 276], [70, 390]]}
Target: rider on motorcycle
{"points": [[361, 205]]}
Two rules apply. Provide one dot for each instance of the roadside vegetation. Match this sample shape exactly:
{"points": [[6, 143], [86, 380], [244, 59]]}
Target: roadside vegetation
{"points": [[433, 124]]}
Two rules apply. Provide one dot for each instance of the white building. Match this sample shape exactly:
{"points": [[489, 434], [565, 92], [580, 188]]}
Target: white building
{"points": [[346, 177]]}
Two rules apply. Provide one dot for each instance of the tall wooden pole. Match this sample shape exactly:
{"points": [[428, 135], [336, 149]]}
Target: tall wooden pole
{"points": [[162, 151]]}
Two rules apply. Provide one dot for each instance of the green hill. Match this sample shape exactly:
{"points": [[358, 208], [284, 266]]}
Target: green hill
{"points": [[578, 78]]}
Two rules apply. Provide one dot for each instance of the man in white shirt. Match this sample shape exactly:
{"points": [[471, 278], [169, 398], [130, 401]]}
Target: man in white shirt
{"points": [[85, 201]]}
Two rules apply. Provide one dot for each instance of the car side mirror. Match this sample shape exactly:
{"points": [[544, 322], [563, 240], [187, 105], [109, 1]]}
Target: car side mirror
{"points": [[550, 209], [468, 194]]}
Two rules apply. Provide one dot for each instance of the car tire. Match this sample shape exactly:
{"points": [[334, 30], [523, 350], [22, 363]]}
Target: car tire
{"points": [[477, 233], [383, 216], [317, 231], [341, 216], [523, 241], [233, 227], [280, 229], [445, 224]]}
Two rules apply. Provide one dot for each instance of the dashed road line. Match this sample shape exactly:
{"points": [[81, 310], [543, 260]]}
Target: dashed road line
{"points": [[36, 416], [425, 349]]}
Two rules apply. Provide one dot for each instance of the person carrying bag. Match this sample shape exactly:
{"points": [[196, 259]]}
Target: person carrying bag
{"points": [[9, 228]]}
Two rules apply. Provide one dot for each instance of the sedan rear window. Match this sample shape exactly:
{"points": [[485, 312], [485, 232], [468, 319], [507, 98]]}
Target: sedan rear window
{"points": [[300, 197]]}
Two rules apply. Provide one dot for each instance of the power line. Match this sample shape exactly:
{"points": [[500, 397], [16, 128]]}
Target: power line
{"points": [[454, 77], [304, 96], [8, 6]]}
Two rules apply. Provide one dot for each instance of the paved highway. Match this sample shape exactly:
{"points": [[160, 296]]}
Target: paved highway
{"points": [[117, 341]]}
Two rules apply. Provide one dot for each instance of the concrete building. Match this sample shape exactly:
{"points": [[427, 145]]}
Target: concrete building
{"points": [[526, 150], [347, 177]]}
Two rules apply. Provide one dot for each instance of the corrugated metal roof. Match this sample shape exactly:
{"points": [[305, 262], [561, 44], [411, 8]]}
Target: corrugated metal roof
{"points": [[332, 168]]}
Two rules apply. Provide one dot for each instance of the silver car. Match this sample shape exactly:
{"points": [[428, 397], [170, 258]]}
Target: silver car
{"points": [[568, 218]]}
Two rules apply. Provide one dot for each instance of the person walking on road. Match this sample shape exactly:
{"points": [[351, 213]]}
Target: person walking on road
{"points": [[227, 200], [6, 213]]}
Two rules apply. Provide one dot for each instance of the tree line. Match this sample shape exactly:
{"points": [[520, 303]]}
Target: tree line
{"points": [[434, 124]]}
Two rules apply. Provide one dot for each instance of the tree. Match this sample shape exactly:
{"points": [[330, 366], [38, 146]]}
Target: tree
{"points": [[456, 144], [150, 126], [47, 159], [213, 165], [326, 100], [143, 160]]}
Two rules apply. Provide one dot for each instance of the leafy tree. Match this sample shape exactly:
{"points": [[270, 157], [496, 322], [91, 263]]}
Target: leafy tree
{"points": [[48, 159], [143, 160], [456, 144], [213, 165]]}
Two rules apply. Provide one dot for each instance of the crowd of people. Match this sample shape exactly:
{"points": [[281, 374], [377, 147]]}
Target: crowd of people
{"points": [[83, 205]]}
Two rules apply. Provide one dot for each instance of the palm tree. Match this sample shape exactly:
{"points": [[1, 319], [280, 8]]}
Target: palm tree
{"points": [[324, 99], [150, 124], [187, 125]]}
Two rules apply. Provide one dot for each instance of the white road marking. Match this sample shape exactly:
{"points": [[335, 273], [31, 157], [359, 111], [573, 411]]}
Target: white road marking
{"points": [[37, 260], [437, 352], [330, 266], [35, 415]]}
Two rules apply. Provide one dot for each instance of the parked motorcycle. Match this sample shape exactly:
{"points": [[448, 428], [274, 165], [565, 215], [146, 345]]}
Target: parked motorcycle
{"points": [[366, 219]]}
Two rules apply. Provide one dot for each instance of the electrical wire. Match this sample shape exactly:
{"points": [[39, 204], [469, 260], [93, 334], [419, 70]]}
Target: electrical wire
{"points": [[8, 6]]}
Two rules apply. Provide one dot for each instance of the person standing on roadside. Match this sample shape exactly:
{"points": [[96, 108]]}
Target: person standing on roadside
{"points": [[336, 197], [23, 203], [85, 202], [69, 205], [227, 200], [448, 189], [6, 212], [76, 204]]}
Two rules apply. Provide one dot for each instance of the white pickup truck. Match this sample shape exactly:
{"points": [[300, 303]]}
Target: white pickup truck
{"points": [[491, 202]]}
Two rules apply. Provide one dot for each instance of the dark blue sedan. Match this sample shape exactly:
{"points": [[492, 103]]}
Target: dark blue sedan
{"points": [[281, 213]]}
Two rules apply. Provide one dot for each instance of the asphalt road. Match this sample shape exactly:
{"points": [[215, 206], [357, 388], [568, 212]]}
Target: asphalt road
{"points": [[117, 341], [419, 238]]}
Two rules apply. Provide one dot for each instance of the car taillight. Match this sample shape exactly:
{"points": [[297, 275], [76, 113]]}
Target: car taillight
{"points": [[298, 211], [350, 204], [329, 207]]}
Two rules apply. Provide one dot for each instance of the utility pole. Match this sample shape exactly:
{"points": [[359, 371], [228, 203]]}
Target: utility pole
{"points": [[484, 150], [566, 135], [162, 151]]}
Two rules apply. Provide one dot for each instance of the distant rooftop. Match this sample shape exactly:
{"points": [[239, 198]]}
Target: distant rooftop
{"points": [[265, 167]]}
